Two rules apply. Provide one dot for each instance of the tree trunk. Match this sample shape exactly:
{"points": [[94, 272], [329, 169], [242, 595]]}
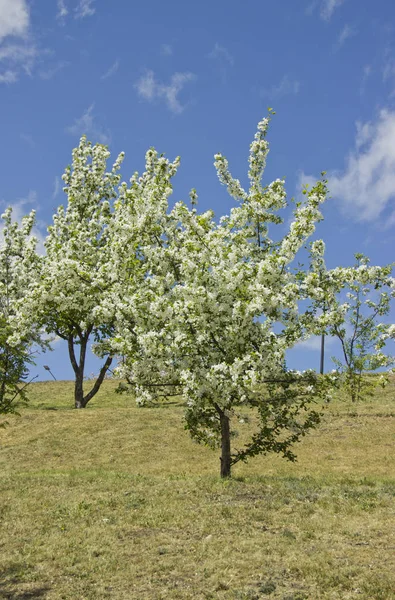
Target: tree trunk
{"points": [[79, 399], [225, 445], [78, 368], [322, 358]]}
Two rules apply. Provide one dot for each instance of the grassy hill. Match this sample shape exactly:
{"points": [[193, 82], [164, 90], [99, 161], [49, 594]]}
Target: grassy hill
{"points": [[116, 501]]}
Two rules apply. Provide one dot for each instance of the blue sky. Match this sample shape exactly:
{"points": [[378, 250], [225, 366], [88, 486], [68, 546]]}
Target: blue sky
{"points": [[193, 79]]}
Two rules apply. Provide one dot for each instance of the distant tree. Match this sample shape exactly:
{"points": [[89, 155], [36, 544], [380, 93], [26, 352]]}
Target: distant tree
{"points": [[369, 291], [70, 298], [18, 334]]}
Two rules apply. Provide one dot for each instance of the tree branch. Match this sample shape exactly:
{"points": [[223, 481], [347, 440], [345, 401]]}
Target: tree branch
{"points": [[73, 360], [99, 380]]}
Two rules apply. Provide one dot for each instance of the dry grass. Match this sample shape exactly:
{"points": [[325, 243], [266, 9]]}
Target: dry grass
{"points": [[117, 502]]}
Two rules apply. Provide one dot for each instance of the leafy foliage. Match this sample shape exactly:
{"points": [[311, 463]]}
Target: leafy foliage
{"points": [[18, 267]]}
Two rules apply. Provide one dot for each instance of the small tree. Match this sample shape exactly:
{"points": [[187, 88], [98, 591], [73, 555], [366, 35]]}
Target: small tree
{"points": [[14, 359], [18, 267], [202, 322], [70, 298], [362, 338]]}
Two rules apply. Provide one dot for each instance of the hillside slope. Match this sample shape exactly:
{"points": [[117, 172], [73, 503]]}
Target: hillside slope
{"points": [[116, 501]]}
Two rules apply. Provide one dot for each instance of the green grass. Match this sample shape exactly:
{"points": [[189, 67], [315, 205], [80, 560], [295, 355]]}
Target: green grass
{"points": [[117, 502]]}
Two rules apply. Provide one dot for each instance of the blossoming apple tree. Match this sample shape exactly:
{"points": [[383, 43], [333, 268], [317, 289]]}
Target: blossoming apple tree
{"points": [[218, 307], [18, 267], [76, 271]]}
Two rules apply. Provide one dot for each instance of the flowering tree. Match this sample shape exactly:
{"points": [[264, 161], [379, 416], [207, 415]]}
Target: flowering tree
{"points": [[138, 233], [362, 338], [18, 267], [76, 272], [202, 324]]}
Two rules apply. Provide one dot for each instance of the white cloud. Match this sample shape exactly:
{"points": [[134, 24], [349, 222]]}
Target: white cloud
{"points": [[14, 18], [19, 54], [28, 139], [146, 86], [367, 71], [287, 86], [310, 8], [366, 187], [23, 207], [166, 50], [171, 91], [56, 187], [363, 135], [52, 71], [223, 59], [18, 209], [328, 7], [113, 69], [84, 9], [221, 53], [346, 33], [304, 180], [15, 55], [314, 343], [8, 76], [389, 72], [150, 89], [62, 10], [87, 125]]}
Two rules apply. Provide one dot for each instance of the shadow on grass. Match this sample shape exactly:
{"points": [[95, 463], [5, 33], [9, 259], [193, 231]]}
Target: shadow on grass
{"points": [[166, 404], [11, 586], [42, 406]]}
